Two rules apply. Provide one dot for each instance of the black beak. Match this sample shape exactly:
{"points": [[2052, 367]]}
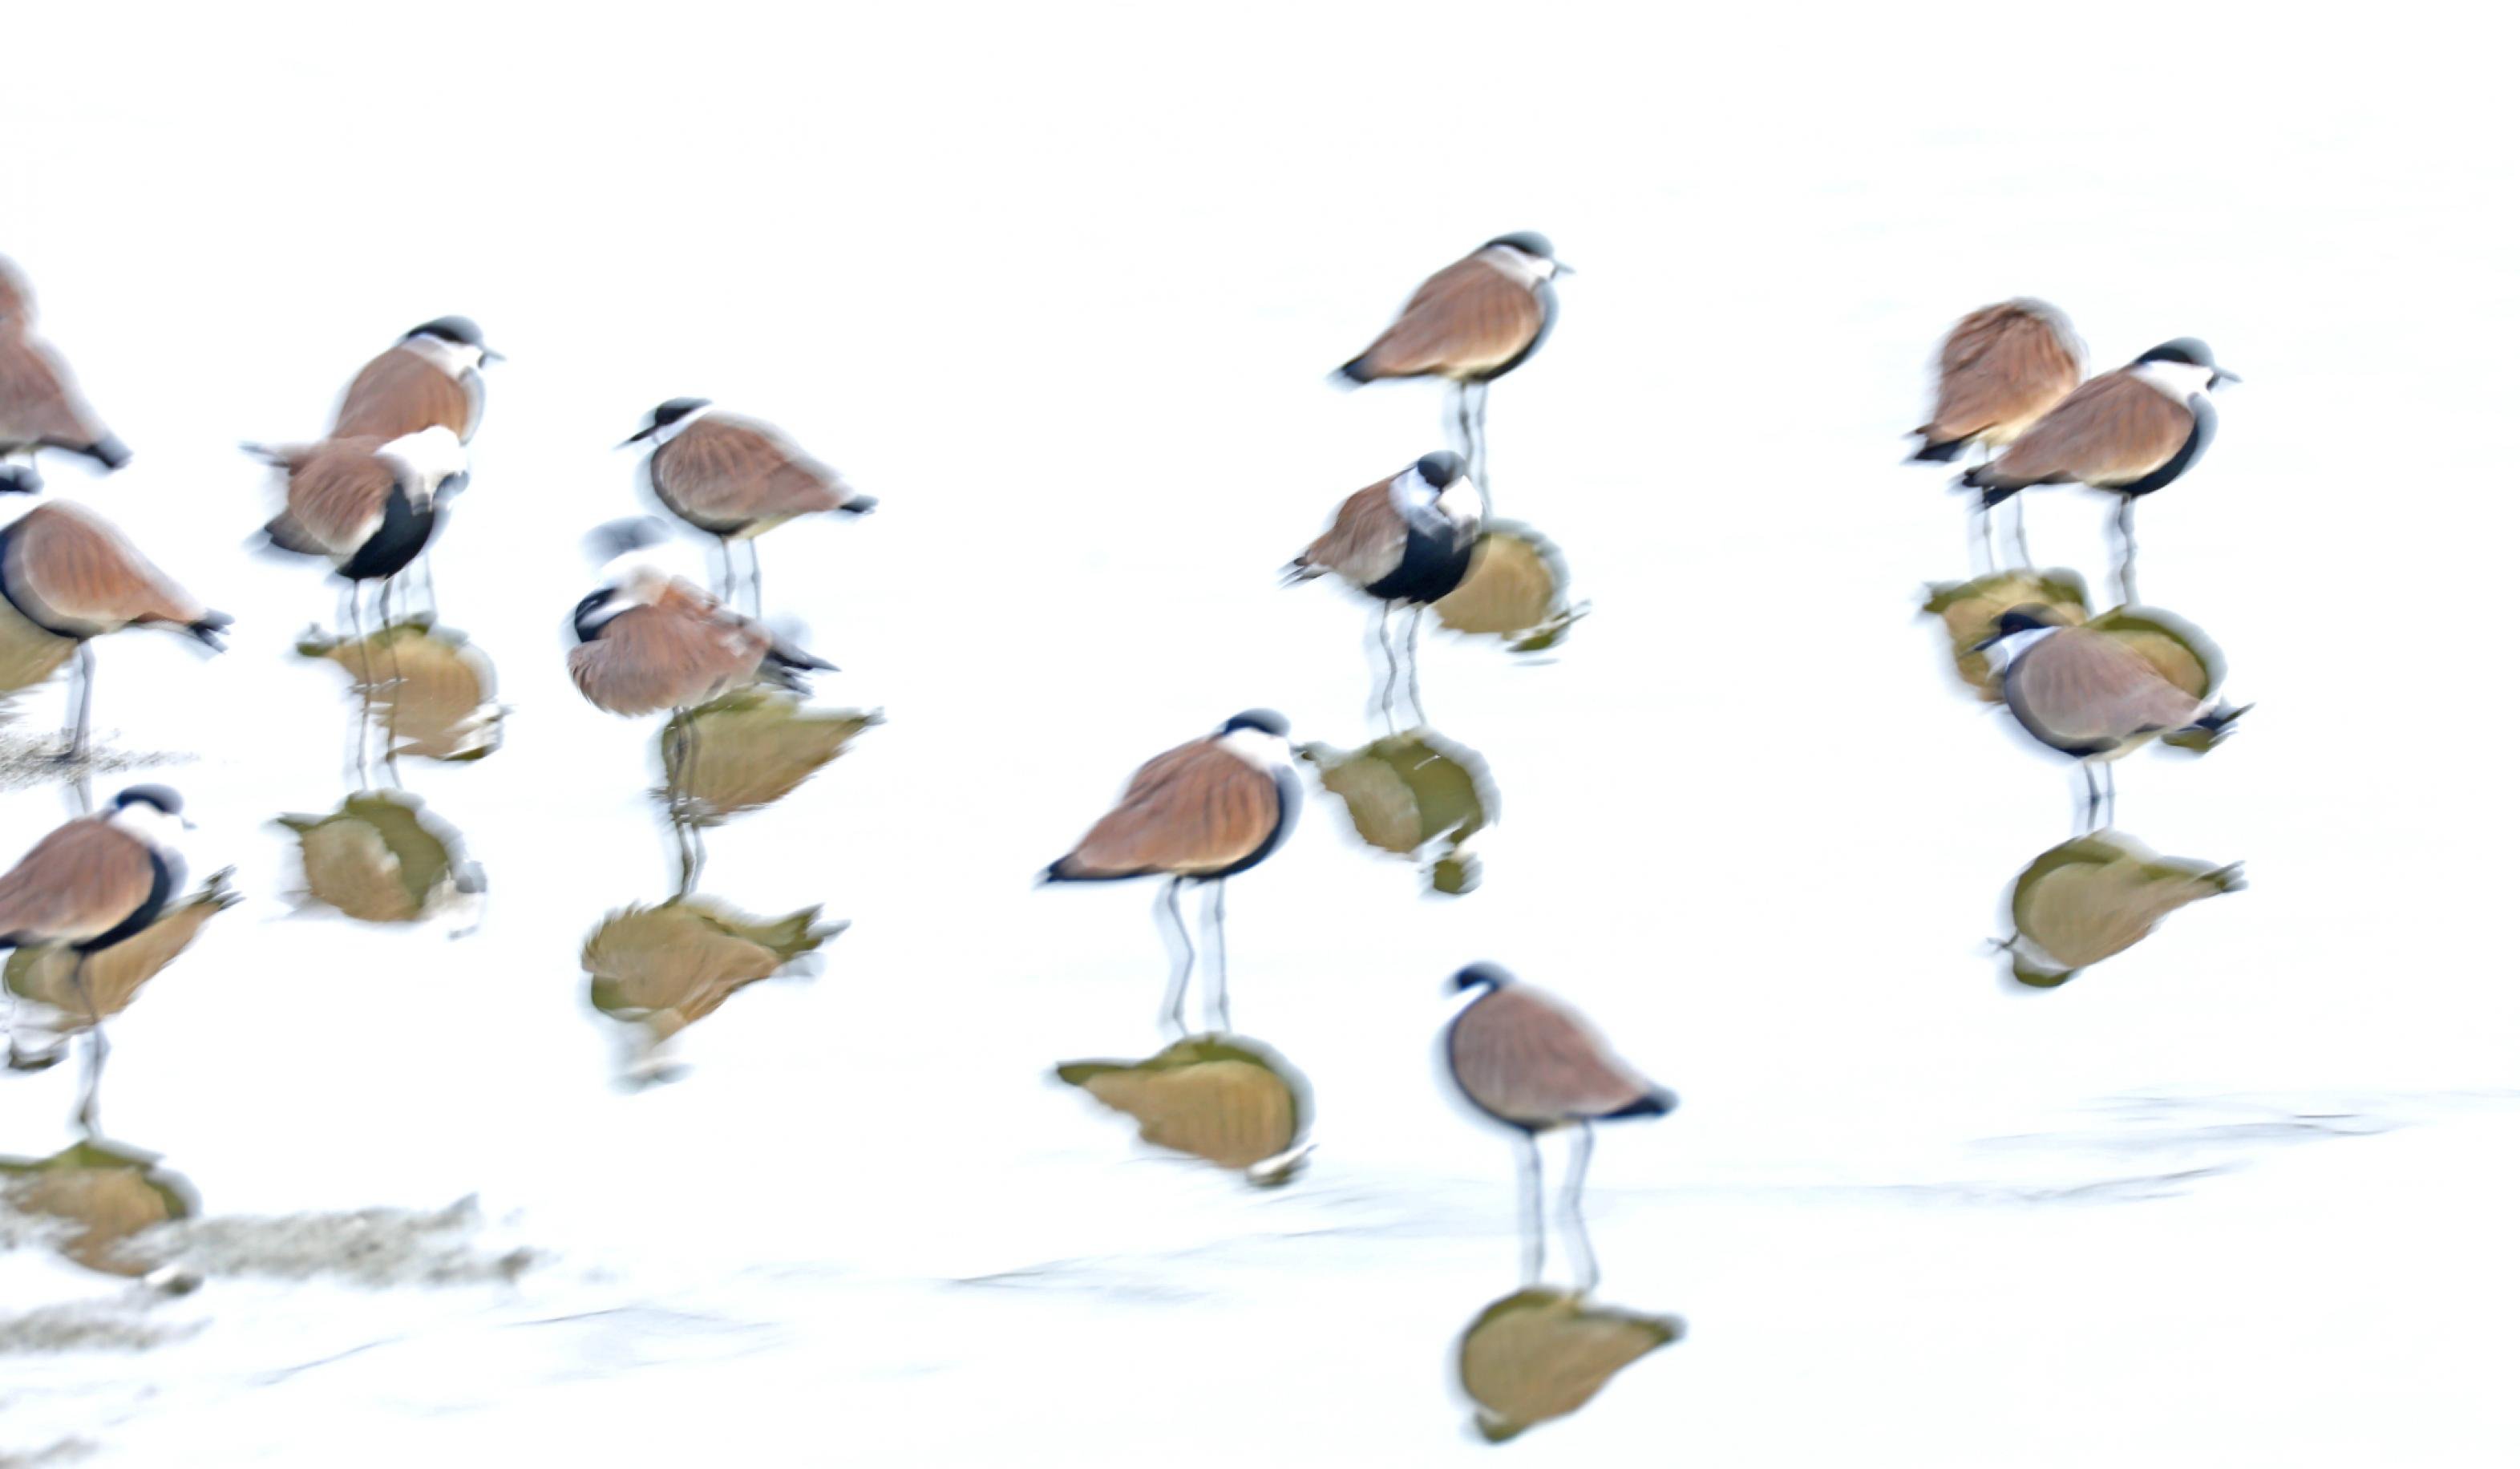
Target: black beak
{"points": [[1983, 643], [636, 437], [1564, 269], [489, 356], [2221, 376]]}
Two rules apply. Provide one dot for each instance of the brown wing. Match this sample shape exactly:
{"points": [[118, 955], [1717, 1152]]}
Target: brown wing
{"points": [[78, 883], [2001, 368], [1365, 542], [337, 493], [1195, 809], [672, 655], [76, 575], [17, 301], [730, 471], [2112, 429], [37, 404], [402, 392], [2080, 688], [1525, 1057], [1468, 318]]}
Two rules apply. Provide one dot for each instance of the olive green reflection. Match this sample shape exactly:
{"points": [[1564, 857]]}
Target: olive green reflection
{"points": [[1969, 609], [384, 858], [114, 974], [1515, 589], [662, 968], [2096, 896], [28, 655], [430, 691], [1413, 794], [107, 1190], [1541, 1353], [2183, 654], [754, 746], [1228, 1100]]}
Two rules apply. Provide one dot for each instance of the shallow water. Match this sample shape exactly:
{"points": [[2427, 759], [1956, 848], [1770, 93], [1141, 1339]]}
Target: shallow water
{"points": [[2225, 1197]]}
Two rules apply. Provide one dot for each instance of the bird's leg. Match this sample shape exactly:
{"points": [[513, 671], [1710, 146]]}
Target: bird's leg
{"points": [[725, 572], [752, 553], [429, 582], [1416, 706], [1982, 539], [682, 746], [2112, 793], [1479, 442], [1390, 688], [367, 684], [1461, 415], [1216, 920], [1527, 1181], [1579, 1245], [2021, 529], [83, 673], [1177, 989], [2090, 798], [393, 709], [2125, 550], [95, 1050]]}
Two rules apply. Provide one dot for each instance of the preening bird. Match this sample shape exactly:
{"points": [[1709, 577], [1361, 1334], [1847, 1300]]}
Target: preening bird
{"points": [[433, 376], [92, 883], [1529, 1061], [2086, 695], [1999, 368], [1405, 541], [73, 575], [1199, 812], [1471, 323], [2130, 432], [40, 407], [736, 478]]}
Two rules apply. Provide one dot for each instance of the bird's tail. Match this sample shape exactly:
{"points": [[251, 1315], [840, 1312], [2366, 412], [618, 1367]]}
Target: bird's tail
{"points": [[290, 536], [19, 479], [107, 450], [1931, 453], [209, 627], [859, 505], [784, 666], [2213, 722], [1353, 373], [1300, 571], [1653, 1103]]}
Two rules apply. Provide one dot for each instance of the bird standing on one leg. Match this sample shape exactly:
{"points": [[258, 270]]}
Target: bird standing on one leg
{"points": [[1999, 368], [89, 885], [1199, 812], [736, 478], [1471, 323], [73, 575], [1405, 541], [1526, 1059], [39, 408]]}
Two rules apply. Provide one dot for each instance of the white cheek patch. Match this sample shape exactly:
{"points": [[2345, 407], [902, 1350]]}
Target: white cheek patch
{"points": [[673, 431], [2179, 380], [454, 359], [1260, 749], [1461, 504]]}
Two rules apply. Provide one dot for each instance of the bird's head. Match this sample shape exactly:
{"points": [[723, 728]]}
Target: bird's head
{"points": [[1541, 255], [153, 813], [666, 419], [2191, 353], [2028, 617], [1480, 976], [460, 334]]}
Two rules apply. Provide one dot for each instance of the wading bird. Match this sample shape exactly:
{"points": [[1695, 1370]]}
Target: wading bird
{"points": [[367, 504], [736, 478], [92, 883], [2086, 695], [39, 408], [1198, 813], [1405, 541], [2130, 432], [73, 575], [1471, 323], [2001, 368], [650, 641], [433, 376], [1526, 1059]]}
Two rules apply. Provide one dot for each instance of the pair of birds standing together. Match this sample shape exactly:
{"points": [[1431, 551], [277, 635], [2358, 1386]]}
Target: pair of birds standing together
{"points": [[1217, 806]]}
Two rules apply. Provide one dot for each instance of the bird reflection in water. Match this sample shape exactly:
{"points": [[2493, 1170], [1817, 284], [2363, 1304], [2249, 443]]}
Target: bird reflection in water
{"points": [[98, 1193], [1541, 1354], [2098, 896], [1416, 796], [1970, 609], [659, 969], [425, 689], [382, 857], [1228, 1100], [1514, 590]]}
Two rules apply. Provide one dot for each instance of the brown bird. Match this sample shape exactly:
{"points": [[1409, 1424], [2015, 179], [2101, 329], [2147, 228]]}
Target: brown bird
{"points": [[2086, 695], [1199, 812], [40, 407], [432, 377], [1529, 1061], [72, 575], [367, 504], [1403, 541], [2130, 432], [736, 478], [1471, 323], [653, 642], [2001, 368], [92, 883]]}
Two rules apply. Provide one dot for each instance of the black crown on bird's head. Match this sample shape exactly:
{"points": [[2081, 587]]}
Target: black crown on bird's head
{"points": [[461, 330], [1481, 975], [674, 410], [1441, 468], [1529, 241], [160, 796], [1266, 721]]}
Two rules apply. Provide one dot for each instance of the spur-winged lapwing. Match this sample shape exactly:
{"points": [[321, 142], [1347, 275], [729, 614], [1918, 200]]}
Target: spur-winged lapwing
{"points": [[1405, 541], [40, 407], [1199, 812], [1999, 368], [736, 478], [433, 376]]}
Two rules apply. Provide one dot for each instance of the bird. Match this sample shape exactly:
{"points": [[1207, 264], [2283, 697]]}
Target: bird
{"points": [[2130, 432], [1999, 368], [73, 575], [432, 377], [1471, 323], [2086, 695], [1199, 812], [735, 478], [649, 642], [1405, 541], [94, 881], [365, 504], [1529, 1061], [40, 407]]}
